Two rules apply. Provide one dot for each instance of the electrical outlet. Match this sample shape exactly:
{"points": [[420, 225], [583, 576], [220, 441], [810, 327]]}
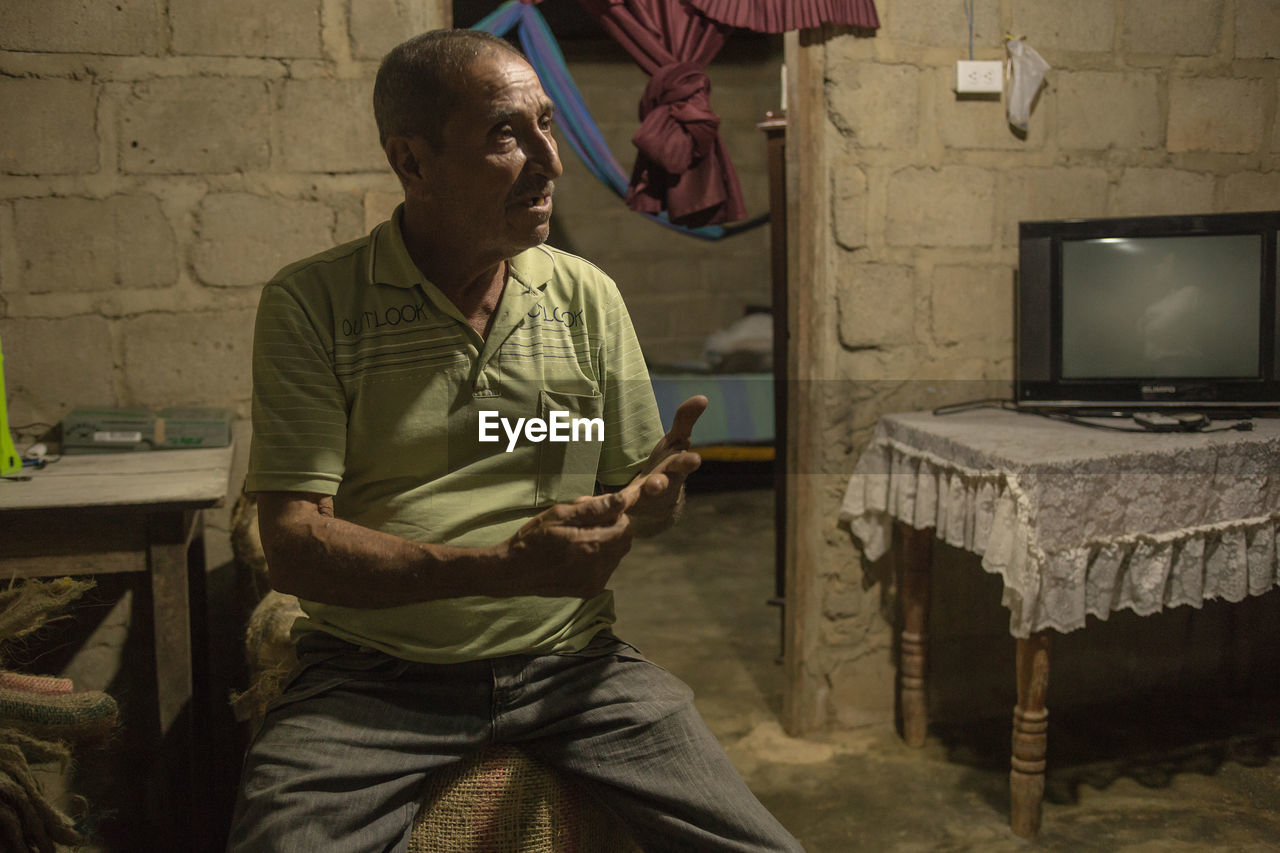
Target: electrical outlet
{"points": [[983, 77]]}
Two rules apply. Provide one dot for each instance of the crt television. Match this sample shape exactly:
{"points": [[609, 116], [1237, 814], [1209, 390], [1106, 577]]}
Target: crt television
{"points": [[1173, 313]]}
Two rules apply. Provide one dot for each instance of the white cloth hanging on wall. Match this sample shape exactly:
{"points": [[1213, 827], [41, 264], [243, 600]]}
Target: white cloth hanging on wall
{"points": [[1027, 69]]}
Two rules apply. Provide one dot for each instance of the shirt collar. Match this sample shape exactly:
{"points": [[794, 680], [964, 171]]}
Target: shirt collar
{"points": [[533, 268], [389, 261]]}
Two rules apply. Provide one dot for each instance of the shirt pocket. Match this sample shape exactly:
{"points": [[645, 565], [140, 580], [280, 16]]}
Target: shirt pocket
{"points": [[567, 468]]}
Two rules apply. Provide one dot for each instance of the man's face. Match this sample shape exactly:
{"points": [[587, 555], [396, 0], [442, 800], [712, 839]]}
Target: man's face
{"points": [[490, 183]]}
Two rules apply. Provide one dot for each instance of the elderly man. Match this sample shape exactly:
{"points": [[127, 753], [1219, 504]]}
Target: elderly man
{"points": [[454, 574]]}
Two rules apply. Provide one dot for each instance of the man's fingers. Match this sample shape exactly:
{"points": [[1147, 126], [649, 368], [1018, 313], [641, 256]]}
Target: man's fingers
{"points": [[656, 484], [686, 416], [631, 492], [668, 472], [594, 511], [682, 464], [680, 436], [612, 539], [600, 533]]}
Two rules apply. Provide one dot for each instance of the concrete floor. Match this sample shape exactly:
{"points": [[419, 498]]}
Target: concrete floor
{"points": [[694, 601]]}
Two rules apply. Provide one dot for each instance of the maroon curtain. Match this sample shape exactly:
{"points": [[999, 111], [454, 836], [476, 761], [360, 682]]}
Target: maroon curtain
{"points": [[780, 16], [682, 166]]}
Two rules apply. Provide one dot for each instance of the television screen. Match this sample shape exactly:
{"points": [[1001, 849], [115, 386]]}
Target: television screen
{"points": [[1144, 313], [1161, 307]]}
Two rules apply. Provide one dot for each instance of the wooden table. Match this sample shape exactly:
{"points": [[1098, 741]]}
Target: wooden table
{"points": [[135, 512], [1076, 521]]}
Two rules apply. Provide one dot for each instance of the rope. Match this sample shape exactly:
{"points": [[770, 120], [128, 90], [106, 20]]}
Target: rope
{"points": [[38, 716]]}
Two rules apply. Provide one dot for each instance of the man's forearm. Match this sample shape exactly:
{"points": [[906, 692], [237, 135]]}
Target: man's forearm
{"points": [[566, 551], [331, 561]]}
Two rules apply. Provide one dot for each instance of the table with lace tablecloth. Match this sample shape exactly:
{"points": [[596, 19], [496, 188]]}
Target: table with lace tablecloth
{"points": [[1075, 521]]}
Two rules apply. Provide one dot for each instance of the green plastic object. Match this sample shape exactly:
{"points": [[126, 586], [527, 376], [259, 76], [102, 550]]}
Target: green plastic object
{"points": [[10, 461]]}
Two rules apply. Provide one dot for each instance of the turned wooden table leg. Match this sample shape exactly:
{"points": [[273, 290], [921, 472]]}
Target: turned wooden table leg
{"points": [[916, 552], [1030, 736]]}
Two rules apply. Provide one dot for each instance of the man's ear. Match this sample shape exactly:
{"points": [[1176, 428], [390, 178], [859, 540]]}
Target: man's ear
{"points": [[407, 157]]}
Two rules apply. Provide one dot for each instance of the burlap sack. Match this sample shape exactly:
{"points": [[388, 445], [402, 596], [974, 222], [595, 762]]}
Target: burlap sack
{"points": [[503, 801]]}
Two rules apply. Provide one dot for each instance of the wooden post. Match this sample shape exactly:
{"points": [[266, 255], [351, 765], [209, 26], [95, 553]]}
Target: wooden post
{"points": [[915, 556], [1030, 735], [810, 358]]}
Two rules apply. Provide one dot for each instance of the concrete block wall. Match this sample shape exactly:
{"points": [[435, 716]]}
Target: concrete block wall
{"points": [[158, 162], [1149, 108]]}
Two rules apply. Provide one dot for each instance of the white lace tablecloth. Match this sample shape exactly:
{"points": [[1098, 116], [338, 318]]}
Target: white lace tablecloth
{"points": [[1077, 520]]}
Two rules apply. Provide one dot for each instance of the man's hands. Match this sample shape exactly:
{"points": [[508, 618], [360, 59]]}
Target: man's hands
{"points": [[571, 549], [653, 496]]}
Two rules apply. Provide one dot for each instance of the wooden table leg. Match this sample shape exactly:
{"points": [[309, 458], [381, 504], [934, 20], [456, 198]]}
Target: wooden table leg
{"points": [[1030, 736], [172, 785], [916, 554]]}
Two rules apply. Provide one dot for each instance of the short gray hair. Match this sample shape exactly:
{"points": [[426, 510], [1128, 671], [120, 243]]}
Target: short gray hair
{"points": [[419, 82]]}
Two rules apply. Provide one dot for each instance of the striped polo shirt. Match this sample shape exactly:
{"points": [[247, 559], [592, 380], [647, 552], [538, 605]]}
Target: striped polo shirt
{"points": [[369, 385]]}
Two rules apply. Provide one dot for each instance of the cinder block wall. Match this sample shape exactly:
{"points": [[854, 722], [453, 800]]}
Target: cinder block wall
{"points": [[158, 161], [1150, 108]]}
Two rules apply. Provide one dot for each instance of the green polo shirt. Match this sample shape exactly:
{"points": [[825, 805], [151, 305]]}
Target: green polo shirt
{"points": [[369, 384]]}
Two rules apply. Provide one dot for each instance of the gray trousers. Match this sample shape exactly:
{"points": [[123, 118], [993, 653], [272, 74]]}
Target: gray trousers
{"points": [[342, 756]]}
